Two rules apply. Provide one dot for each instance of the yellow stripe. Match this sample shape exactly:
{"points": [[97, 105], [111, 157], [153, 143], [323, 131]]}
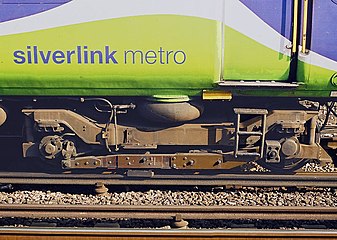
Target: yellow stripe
{"points": [[216, 95], [294, 47], [305, 25]]}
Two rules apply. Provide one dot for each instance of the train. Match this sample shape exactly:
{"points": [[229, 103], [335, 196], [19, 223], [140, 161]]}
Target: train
{"points": [[156, 86]]}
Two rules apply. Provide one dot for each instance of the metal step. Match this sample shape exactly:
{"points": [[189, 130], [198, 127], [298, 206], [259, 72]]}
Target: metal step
{"points": [[251, 154], [258, 84], [250, 133], [251, 111], [262, 113]]}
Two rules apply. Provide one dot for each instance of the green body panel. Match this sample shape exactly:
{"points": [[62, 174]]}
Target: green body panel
{"points": [[198, 39], [314, 82], [315, 78], [247, 59]]}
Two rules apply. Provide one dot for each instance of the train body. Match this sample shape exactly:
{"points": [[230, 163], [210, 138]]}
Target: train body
{"points": [[167, 85]]}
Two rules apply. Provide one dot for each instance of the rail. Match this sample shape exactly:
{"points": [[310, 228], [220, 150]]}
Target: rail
{"points": [[249, 180], [167, 212], [95, 233]]}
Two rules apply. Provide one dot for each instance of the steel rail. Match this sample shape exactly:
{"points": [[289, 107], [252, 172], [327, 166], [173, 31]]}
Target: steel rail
{"points": [[252, 180], [100, 233], [167, 212]]}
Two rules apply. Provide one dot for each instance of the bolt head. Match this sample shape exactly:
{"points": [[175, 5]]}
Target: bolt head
{"points": [[50, 148]]}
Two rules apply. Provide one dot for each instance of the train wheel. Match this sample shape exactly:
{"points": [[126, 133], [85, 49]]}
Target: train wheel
{"points": [[284, 165]]}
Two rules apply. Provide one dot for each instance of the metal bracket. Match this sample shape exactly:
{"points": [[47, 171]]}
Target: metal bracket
{"points": [[273, 151]]}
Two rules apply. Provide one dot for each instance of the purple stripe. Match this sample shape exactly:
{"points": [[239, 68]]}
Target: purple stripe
{"points": [[34, 1], [324, 29], [13, 9], [276, 13]]}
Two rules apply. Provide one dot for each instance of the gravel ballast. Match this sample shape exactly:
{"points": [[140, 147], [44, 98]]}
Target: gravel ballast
{"points": [[241, 197]]}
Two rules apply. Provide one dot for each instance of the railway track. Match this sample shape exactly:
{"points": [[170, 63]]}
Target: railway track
{"points": [[69, 233], [249, 180], [177, 214], [167, 212]]}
